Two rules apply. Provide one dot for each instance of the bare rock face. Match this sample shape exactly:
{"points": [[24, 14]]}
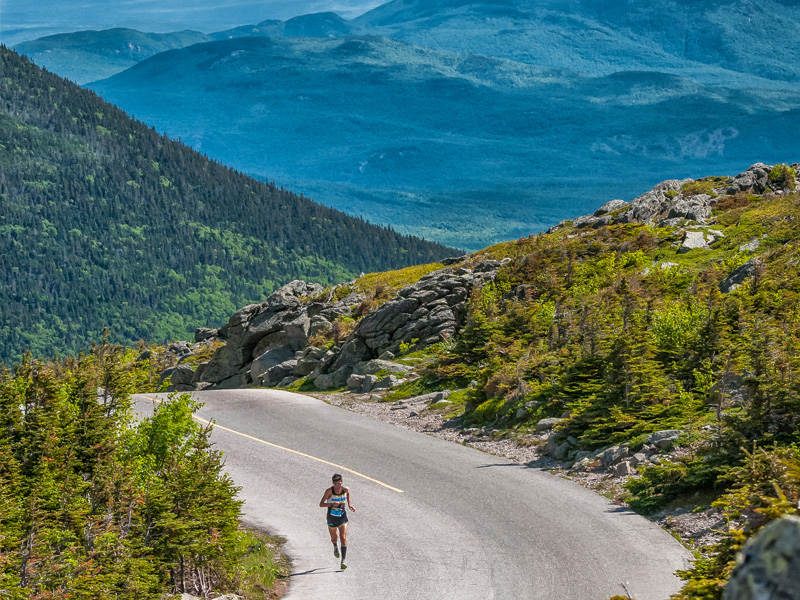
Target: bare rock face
{"points": [[181, 378], [270, 331], [269, 342], [739, 275], [655, 203], [754, 180], [768, 564]]}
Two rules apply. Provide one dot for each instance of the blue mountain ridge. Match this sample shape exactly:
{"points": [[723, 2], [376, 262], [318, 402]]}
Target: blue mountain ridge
{"points": [[710, 40], [464, 149]]}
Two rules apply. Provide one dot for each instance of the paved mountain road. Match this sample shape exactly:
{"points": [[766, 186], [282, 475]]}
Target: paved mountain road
{"points": [[464, 525]]}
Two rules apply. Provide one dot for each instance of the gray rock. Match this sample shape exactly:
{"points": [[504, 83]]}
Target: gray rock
{"points": [[750, 246], [653, 204], [664, 439], [369, 381], [289, 296], [373, 366], [319, 324], [622, 469], [754, 179], [610, 206], [262, 325], [454, 259], [387, 356], [612, 455], [269, 359], [297, 332], [487, 265], [271, 341], [768, 566], [638, 459], [561, 451], [233, 382], [693, 208], [668, 265], [584, 221], [388, 317], [182, 375], [353, 351], [287, 381], [692, 240], [547, 424], [306, 366], [275, 374], [335, 380], [582, 454], [387, 382], [202, 334], [355, 382], [739, 275]]}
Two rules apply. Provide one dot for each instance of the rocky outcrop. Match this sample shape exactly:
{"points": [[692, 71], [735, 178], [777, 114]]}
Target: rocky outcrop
{"points": [[269, 343], [267, 334], [768, 565], [753, 180], [672, 203]]}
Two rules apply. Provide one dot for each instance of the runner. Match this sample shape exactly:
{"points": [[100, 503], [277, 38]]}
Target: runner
{"points": [[334, 500]]}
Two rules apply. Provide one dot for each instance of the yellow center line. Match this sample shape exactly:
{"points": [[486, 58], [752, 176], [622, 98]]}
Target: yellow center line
{"points": [[303, 454]]}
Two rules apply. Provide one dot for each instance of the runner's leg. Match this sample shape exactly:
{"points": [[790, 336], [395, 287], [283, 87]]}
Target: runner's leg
{"points": [[334, 535], [343, 535]]}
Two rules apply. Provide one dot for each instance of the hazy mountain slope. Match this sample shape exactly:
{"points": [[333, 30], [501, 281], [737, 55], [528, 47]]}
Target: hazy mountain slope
{"points": [[464, 149], [708, 39], [325, 24], [25, 20], [86, 56], [105, 223]]}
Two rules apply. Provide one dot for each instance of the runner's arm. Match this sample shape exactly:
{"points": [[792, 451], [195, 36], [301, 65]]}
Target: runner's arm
{"points": [[348, 502], [325, 499]]}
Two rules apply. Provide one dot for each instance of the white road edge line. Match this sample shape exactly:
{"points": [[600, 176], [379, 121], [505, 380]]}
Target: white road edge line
{"points": [[303, 454]]}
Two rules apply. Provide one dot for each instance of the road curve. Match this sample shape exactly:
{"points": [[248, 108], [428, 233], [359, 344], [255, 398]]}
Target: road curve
{"points": [[433, 519]]}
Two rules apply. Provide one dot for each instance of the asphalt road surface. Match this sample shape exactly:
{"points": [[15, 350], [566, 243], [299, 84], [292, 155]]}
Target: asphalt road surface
{"points": [[434, 520]]}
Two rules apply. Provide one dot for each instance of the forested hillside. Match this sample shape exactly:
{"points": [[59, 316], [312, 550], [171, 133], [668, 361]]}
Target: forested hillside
{"points": [[106, 223], [94, 504]]}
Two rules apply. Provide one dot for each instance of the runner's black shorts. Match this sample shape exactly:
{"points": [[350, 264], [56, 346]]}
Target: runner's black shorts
{"points": [[336, 521]]}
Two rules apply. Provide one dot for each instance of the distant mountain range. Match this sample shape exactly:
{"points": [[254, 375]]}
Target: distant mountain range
{"points": [[25, 20], [465, 149], [104, 223], [715, 41], [473, 121]]}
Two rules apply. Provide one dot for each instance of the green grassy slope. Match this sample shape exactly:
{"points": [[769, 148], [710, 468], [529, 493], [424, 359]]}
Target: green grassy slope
{"points": [[105, 223]]}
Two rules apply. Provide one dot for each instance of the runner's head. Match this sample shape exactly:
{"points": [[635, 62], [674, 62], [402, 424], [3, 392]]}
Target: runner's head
{"points": [[337, 479]]}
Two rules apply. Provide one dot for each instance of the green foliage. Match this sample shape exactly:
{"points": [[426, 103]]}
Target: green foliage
{"points": [[153, 238], [94, 504], [765, 486], [705, 185], [782, 176]]}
